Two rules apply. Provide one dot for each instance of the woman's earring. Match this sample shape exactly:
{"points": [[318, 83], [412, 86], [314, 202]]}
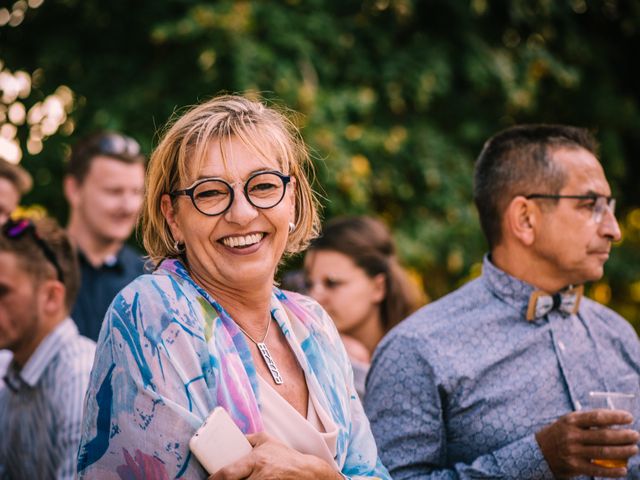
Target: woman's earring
{"points": [[292, 227], [178, 247]]}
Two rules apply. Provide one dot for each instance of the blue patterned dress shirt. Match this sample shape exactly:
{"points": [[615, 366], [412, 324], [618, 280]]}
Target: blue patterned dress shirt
{"points": [[459, 389]]}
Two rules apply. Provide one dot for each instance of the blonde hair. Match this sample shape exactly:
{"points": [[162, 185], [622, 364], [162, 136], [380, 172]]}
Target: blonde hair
{"points": [[185, 146]]}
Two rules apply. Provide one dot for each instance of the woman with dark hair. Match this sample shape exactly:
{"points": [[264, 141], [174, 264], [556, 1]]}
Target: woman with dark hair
{"points": [[353, 272]]}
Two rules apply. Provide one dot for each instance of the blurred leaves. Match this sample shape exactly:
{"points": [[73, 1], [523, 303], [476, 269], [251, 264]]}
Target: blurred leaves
{"points": [[396, 97]]}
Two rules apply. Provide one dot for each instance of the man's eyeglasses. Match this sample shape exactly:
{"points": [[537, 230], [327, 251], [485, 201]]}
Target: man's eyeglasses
{"points": [[118, 145], [214, 196], [15, 230], [600, 204]]}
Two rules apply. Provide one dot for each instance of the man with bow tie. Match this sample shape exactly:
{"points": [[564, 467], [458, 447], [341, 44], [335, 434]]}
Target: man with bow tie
{"points": [[493, 380]]}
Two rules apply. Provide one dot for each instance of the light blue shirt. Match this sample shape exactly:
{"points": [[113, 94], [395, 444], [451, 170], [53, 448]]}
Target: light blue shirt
{"points": [[41, 407], [458, 390]]}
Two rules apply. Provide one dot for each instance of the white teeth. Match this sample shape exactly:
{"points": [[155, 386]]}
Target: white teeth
{"points": [[243, 241]]}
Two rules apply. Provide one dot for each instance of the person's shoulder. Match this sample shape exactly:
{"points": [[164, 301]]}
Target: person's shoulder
{"points": [[310, 306], [308, 311], [150, 281], [460, 307], [72, 366], [318, 325], [76, 355], [147, 290], [591, 310], [131, 258], [300, 299], [160, 299], [141, 283]]}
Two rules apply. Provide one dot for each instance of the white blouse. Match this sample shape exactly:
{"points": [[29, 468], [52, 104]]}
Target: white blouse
{"points": [[315, 435]]}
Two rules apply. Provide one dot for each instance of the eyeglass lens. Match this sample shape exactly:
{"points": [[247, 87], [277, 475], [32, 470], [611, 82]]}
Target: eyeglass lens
{"points": [[264, 190], [601, 206]]}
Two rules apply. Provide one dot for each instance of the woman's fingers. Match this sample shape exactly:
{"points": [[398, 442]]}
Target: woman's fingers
{"points": [[236, 471], [256, 439]]}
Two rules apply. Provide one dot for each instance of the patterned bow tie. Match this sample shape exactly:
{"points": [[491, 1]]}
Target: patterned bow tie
{"points": [[566, 302]]}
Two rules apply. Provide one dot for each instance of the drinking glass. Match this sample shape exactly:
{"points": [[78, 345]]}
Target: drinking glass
{"points": [[611, 401]]}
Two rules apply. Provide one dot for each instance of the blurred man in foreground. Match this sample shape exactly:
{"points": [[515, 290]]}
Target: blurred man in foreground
{"points": [[104, 187], [15, 181], [495, 379], [45, 383]]}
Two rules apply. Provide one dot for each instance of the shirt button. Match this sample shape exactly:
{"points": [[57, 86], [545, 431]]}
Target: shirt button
{"points": [[561, 345]]}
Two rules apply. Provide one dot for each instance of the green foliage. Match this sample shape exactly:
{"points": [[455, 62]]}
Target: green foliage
{"points": [[396, 96]]}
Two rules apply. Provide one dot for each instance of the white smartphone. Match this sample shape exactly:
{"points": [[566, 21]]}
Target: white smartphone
{"points": [[218, 442]]}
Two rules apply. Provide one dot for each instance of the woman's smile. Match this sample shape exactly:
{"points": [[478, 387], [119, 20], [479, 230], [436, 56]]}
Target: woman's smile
{"points": [[246, 244], [242, 241]]}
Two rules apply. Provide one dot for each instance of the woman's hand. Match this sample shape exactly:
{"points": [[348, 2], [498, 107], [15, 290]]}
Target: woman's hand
{"points": [[272, 460]]}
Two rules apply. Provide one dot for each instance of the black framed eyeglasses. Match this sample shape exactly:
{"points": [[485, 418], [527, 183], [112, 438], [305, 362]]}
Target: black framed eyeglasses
{"points": [[214, 196], [117, 145], [600, 205], [16, 229]]}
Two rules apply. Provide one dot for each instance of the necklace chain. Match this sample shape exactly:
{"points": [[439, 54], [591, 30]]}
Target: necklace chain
{"points": [[266, 354], [251, 338]]}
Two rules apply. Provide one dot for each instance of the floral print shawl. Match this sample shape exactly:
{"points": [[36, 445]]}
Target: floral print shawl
{"points": [[168, 354]]}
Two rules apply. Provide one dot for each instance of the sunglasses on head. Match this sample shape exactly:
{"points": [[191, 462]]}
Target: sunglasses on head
{"points": [[118, 145], [16, 229]]}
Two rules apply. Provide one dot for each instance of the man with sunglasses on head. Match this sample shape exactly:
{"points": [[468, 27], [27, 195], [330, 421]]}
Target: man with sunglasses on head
{"points": [[45, 383], [104, 186], [494, 380]]}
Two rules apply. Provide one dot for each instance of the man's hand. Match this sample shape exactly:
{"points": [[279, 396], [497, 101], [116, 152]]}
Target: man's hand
{"points": [[571, 442]]}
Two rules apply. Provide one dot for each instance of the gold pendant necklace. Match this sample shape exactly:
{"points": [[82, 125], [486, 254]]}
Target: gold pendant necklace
{"points": [[266, 355]]}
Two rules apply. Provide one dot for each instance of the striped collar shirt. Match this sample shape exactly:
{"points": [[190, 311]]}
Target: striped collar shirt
{"points": [[41, 407]]}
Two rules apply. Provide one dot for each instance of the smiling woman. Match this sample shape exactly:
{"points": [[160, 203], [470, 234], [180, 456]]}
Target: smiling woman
{"points": [[227, 197]]}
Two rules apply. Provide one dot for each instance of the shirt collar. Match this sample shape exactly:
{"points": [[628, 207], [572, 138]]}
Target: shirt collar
{"points": [[507, 288], [111, 261], [41, 358]]}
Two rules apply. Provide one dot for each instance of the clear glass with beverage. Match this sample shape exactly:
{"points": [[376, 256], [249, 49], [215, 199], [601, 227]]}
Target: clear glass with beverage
{"points": [[612, 401]]}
